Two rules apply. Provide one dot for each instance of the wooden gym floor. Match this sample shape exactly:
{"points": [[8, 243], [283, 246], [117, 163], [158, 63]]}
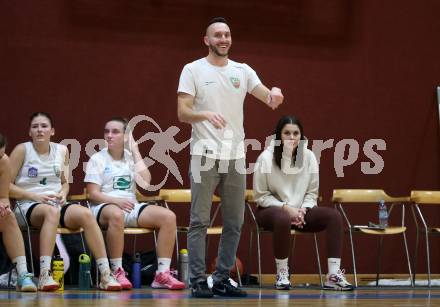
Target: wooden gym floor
{"points": [[256, 297]]}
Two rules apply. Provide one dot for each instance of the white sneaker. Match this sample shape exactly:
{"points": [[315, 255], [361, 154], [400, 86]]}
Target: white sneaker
{"points": [[108, 282], [338, 282], [46, 282], [283, 280]]}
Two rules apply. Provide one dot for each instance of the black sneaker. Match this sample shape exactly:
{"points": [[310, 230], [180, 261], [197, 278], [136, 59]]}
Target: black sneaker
{"points": [[227, 287], [200, 289]]}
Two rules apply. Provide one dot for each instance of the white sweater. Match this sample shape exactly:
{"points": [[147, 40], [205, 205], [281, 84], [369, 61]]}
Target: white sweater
{"points": [[295, 186]]}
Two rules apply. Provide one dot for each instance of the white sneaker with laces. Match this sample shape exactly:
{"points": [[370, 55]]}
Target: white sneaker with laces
{"points": [[338, 282], [283, 280], [108, 282], [46, 282]]}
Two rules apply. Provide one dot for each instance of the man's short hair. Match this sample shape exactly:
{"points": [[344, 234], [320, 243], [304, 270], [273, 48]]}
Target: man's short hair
{"points": [[217, 19], [2, 141]]}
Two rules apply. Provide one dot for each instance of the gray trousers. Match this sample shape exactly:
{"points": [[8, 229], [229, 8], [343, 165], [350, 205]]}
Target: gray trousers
{"points": [[206, 174]]}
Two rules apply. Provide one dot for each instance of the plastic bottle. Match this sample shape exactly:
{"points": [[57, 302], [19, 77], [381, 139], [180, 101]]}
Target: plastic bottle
{"points": [[84, 272], [383, 214], [136, 271], [183, 267], [58, 271]]}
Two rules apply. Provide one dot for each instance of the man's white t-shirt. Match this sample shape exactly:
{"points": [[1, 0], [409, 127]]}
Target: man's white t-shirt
{"points": [[116, 177], [223, 90]]}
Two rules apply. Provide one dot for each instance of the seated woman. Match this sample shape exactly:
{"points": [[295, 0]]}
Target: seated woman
{"points": [[12, 238], [39, 170], [286, 182], [111, 178]]}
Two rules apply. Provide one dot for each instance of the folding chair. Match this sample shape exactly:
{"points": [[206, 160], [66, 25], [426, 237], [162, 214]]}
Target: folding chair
{"points": [[343, 197], [260, 230], [419, 198], [183, 196]]}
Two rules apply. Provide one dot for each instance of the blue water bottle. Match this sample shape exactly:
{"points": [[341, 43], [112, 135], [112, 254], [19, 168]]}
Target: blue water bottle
{"points": [[84, 272], [136, 271]]}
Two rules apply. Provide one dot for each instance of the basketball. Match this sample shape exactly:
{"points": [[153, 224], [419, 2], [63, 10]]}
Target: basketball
{"points": [[233, 270]]}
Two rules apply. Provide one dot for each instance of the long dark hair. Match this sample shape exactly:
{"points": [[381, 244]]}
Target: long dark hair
{"points": [[278, 150]]}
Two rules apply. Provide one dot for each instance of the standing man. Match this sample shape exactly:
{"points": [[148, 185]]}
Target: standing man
{"points": [[211, 94]]}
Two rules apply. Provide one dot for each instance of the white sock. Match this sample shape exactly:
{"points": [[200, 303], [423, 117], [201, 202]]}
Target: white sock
{"points": [[163, 264], [45, 262], [20, 264], [282, 265], [115, 263], [102, 264], [334, 265]]}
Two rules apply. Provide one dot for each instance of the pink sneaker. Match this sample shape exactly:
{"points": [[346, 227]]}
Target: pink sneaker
{"points": [[122, 280], [165, 280]]}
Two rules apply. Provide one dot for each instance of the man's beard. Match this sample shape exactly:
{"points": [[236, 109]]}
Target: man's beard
{"points": [[217, 52]]}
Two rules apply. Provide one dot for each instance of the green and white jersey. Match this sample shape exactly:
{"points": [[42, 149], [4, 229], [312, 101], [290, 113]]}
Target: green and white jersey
{"points": [[41, 174], [116, 177]]}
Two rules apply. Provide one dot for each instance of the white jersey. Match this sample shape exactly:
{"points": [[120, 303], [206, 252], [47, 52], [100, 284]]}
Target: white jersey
{"points": [[223, 90], [115, 177], [42, 174]]}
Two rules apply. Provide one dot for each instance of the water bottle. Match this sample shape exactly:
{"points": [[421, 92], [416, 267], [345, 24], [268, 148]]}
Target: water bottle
{"points": [[136, 271], [383, 214], [183, 267], [58, 271], [84, 272]]}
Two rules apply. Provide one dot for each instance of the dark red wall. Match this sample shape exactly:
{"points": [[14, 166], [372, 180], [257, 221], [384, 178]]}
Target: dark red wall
{"points": [[349, 69]]}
